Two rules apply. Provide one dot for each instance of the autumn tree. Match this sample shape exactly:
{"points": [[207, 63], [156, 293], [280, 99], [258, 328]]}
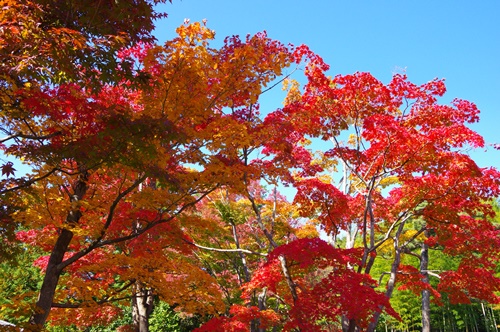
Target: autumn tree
{"points": [[126, 140], [405, 175], [46, 43], [475, 316], [277, 157], [59, 41], [91, 151], [231, 243]]}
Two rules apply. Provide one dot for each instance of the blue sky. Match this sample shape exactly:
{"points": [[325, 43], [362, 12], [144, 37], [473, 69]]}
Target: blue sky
{"points": [[456, 40]]}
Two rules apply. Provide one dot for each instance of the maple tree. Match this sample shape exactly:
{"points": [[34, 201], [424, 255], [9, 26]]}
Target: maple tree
{"points": [[97, 150], [147, 164], [443, 314], [43, 43], [47, 43], [403, 161], [230, 227], [277, 292], [57, 41]]}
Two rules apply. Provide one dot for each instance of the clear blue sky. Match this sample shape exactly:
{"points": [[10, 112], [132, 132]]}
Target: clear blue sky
{"points": [[456, 40]]}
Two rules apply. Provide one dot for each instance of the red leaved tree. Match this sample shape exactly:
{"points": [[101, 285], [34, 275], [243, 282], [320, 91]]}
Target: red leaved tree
{"points": [[405, 173]]}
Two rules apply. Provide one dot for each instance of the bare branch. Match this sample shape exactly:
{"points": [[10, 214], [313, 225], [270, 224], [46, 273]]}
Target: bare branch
{"points": [[240, 250], [21, 135], [281, 80], [29, 182], [432, 274]]}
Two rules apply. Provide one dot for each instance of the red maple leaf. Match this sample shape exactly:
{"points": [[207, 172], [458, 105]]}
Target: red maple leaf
{"points": [[8, 169]]}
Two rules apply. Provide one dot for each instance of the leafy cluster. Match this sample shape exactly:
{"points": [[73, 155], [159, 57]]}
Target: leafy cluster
{"points": [[153, 181]]}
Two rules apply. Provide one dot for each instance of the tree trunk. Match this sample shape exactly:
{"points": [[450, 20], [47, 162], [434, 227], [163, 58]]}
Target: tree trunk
{"points": [[426, 296], [243, 257], [142, 307], [392, 279], [54, 269], [349, 325], [51, 279], [494, 319], [262, 305], [288, 278]]}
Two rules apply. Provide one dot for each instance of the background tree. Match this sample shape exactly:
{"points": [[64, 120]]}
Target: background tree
{"points": [[20, 283], [477, 315]]}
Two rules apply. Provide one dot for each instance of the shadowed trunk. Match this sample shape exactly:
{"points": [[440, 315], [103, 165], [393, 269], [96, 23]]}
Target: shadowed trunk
{"points": [[393, 275], [51, 279], [54, 269]]}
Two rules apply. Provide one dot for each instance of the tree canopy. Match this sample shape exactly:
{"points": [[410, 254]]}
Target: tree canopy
{"points": [[154, 180]]}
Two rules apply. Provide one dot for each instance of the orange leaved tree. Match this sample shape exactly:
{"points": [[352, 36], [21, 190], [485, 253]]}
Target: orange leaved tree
{"points": [[112, 166]]}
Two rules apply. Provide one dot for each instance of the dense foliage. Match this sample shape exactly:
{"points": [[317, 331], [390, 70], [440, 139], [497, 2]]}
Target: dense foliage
{"points": [[152, 202]]}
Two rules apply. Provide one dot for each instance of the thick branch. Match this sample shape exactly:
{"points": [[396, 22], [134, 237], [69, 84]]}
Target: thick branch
{"points": [[402, 219], [98, 243]]}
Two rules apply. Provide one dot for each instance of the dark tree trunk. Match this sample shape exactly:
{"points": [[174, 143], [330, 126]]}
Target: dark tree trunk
{"points": [[51, 279], [54, 268], [393, 276]]}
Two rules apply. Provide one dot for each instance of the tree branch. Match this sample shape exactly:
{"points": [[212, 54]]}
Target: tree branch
{"points": [[21, 135], [225, 250], [29, 182]]}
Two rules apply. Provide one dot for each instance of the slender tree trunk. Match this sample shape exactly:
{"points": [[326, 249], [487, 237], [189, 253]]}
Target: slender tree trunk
{"points": [[243, 257], [142, 297], [261, 301], [494, 319], [426, 295], [54, 269], [476, 324], [142, 307], [486, 318], [288, 278], [270, 237], [392, 279]]}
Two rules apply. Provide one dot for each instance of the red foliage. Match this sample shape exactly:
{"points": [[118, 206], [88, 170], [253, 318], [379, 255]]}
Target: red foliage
{"points": [[324, 200], [240, 319], [328, 287], [8, 169], [410, 279], [470, 281]]}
